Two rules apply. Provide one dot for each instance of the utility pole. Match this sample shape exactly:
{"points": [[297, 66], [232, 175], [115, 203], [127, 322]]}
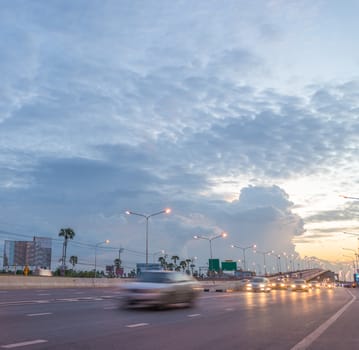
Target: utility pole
{"points": [[119, 254]]}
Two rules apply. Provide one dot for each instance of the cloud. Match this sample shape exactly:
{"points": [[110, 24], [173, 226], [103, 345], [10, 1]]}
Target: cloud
{"points": [[119, 106]]}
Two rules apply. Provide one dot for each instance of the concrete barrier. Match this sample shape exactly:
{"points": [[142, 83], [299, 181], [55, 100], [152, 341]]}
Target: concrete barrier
{"points": [[32, 282], [29, 282]]}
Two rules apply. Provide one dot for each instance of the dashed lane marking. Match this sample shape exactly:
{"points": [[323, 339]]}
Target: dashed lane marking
{"points": [[194, 315], [40, 314], [25, 343], [137, 325]]}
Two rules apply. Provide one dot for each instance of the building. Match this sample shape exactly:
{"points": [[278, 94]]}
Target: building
{"points": [[35, 253]]}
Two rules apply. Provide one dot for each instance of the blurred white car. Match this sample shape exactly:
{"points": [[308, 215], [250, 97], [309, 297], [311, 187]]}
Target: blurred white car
{"points": [[259, 284], [300, 285], [160, 288], [314, 284], [241, 284]]}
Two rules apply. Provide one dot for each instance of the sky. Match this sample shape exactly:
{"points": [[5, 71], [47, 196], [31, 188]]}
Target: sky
{"points": [[240, 116]]}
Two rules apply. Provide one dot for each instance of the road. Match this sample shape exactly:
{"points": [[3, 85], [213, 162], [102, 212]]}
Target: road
{"points": [[90, 319]]}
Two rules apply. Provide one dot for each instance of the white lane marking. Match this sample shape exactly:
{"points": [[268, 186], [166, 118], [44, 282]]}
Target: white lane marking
{"points": [[229, 309], [90, 298], [43, 294], [25, 343], [16, 302], [136, 325], [194, 315], [40, 314], [41, 301], [309, 339]]}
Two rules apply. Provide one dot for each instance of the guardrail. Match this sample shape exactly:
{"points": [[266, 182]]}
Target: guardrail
{"points": [[29, 282]]}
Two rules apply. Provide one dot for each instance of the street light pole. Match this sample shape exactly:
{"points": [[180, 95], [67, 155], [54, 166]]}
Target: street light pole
{"points": [[286, 261], [165, 211], [264, 258], [97, 245], [279, 265], [355, 254], [210, 239], [253, 246]]}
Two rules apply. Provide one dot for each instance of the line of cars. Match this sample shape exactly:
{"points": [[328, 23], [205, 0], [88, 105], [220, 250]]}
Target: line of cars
{"points": [[164, 288], [263, 284]]}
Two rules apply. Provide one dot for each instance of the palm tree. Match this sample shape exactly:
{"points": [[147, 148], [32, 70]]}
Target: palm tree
{"points": [[183, 264], [163, 262], [175, 258], [73, 261], [67, 233]]}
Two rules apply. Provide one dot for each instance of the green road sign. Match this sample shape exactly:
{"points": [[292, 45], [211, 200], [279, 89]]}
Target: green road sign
{"points": [[213, 264], [229, 265]]}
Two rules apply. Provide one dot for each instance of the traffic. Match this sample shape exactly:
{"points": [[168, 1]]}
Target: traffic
{"points": [[94, 318]]}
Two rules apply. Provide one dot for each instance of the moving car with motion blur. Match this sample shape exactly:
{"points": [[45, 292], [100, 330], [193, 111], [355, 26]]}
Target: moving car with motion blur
{"points": [[314, 284], [160, 289], [240, 285], [279, 283], [259, 284], [299, 285]]}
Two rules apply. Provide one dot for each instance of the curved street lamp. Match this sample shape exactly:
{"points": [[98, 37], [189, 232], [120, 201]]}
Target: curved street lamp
{"points": [[210, 239], [253, 246], [107, 241], [269, 252], [355, 254], [165, 211]]}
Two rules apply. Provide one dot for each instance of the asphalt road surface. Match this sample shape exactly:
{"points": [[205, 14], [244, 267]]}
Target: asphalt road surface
{"points": [[90, 319]]}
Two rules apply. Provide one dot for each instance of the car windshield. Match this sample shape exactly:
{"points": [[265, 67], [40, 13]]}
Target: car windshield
{"points": [[156, 277], [258, 279]]}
